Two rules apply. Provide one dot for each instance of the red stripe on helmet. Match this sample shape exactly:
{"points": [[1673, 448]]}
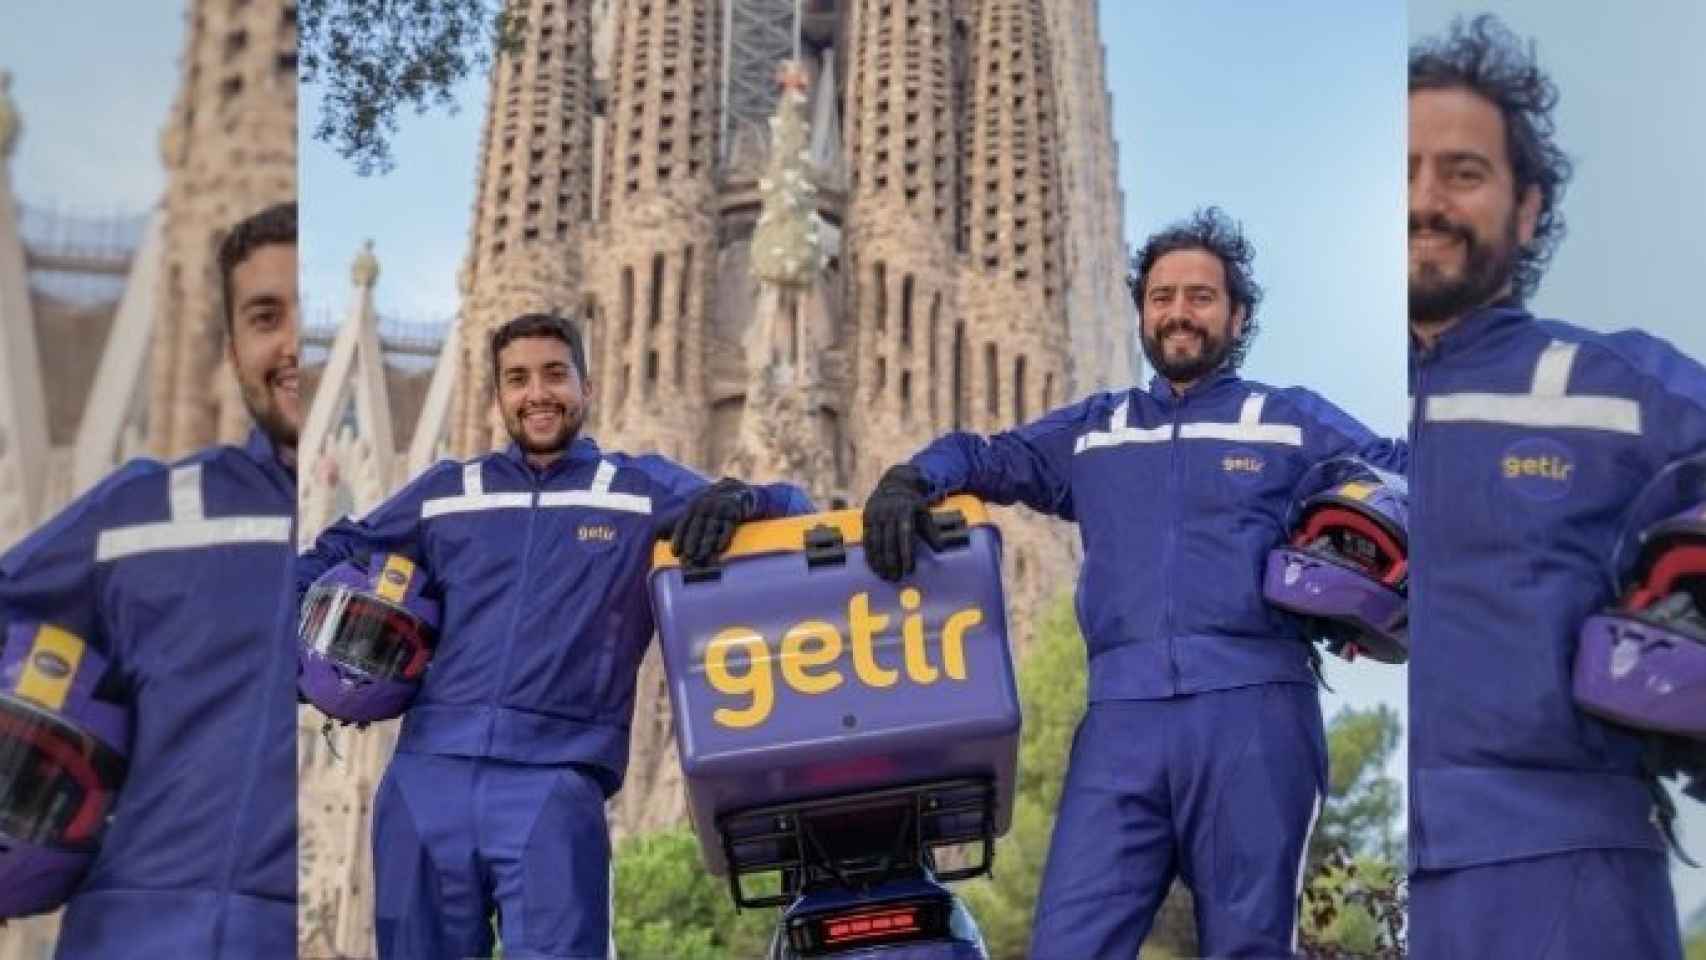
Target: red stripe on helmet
{"points": [[1331, 516]]}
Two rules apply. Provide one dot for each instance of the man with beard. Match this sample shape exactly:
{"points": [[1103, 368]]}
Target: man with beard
{"points": [[495, 797], [178, 575], [1201, 754], [1534, 829]]}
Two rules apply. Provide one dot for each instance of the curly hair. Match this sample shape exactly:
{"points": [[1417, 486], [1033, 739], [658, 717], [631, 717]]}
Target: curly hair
{"points": [[1484, 57], [1212, 231], [275, 224]]}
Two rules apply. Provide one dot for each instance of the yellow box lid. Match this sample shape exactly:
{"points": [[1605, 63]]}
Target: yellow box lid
{"points": [[788, 534]]}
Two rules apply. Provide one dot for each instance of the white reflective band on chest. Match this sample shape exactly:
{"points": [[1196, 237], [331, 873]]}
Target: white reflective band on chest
{"points": [[605, 476], [184, 489], [1248, 428], [1547, 404], [474, 497], [189, 528], [1119, 432], [599, 496]]}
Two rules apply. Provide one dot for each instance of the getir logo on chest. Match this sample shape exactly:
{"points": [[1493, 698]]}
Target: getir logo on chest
{"points": [[1538, 468], [814, 657], [596, 533]]}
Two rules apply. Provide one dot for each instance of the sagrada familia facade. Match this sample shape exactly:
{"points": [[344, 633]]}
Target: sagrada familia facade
{"points": [[803, 237]]}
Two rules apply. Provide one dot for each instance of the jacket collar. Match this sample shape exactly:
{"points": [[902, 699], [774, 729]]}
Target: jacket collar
{"points": [[582, 450], [1162, 389], [1476, 326], [260, 448]]}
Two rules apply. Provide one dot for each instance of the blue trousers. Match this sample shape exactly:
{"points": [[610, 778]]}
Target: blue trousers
{"points": [[1219, 789], [148, 924], [457, 838], [1584, 905]]}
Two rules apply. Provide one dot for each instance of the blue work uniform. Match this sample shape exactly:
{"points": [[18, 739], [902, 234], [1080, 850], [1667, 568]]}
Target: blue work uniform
{"points": [[495, 796], [180, 575], [1530, 438], [1202, 752]]}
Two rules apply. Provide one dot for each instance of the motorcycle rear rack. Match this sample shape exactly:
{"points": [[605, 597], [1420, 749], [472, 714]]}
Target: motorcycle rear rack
{"points": [[860, 840]]}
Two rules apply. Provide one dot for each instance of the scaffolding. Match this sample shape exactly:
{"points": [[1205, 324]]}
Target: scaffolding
{"points": [[757, 35], [79, 258]]}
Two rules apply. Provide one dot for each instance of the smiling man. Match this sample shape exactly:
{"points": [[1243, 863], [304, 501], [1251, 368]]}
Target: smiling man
{"points": [[178, 575], [1201, 754], [1535, 827], [494, 800]]}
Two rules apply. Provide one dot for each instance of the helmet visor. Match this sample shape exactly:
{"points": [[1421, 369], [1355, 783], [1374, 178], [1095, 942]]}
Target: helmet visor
{"points": [[1351, 539], [57, 783], [364, 633]]}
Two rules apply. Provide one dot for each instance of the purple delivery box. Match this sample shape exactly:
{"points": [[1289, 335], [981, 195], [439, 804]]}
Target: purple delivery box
{"points": [[796, 674]]}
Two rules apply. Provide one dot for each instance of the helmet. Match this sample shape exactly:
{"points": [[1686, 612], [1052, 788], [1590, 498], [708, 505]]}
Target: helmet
{"points": [[364, 638], [63, 742], [1643, 663], [1346, 567]]}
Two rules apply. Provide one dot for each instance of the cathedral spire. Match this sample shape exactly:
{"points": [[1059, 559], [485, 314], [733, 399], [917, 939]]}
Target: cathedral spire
{"points": [[787, 248]]}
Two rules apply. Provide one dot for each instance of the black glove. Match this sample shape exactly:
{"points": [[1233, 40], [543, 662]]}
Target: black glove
{"points": [[708, 526], [897, 509]]}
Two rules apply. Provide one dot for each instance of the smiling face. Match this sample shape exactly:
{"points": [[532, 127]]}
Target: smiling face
{"points": [[1467, 222], [262, 344], [541, 396], [1189, 323]]}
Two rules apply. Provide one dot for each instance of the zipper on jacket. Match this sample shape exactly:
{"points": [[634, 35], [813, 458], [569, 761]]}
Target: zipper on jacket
{"points": [[521, 596], [1174, 491]]}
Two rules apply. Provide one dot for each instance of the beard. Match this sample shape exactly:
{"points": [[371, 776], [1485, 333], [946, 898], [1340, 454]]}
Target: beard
{"points": [[267, 410], [568, 426], [1211, 353], [1435, 297]]}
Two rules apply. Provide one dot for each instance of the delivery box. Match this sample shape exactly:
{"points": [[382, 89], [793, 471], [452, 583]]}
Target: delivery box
{"points": [[798, 677]]}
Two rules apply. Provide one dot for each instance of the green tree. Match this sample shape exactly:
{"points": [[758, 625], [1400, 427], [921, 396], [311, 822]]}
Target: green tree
{"points": [[671, 908], [1694, 933], [371, 57], [1354, 895], [1051, 695], [1363, 805]]}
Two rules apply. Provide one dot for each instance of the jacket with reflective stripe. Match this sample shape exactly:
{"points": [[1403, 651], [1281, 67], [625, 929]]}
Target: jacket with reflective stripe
{"points": [[1529, 440], [1178, 500], [180, 575], [543, 578]]}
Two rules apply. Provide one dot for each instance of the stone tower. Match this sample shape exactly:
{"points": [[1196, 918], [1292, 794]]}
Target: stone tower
{"points": [[955, 279], [229, 149], [533, 202], [1091, 236], [903, 158], [651, 284]]}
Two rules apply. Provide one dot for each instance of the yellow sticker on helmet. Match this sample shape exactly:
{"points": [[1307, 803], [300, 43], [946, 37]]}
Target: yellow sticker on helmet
{"points": [[1356, 490], [394, 579], [50, 667]]}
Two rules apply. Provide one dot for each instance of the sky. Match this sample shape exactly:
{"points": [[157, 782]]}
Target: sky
{"points": [[418, 215], [93, 103]]}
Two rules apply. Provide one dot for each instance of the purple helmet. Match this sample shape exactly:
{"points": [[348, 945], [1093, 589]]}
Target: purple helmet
{"points": [[63, 743], [365, 638], [1346, 568], [1643, 663]]}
